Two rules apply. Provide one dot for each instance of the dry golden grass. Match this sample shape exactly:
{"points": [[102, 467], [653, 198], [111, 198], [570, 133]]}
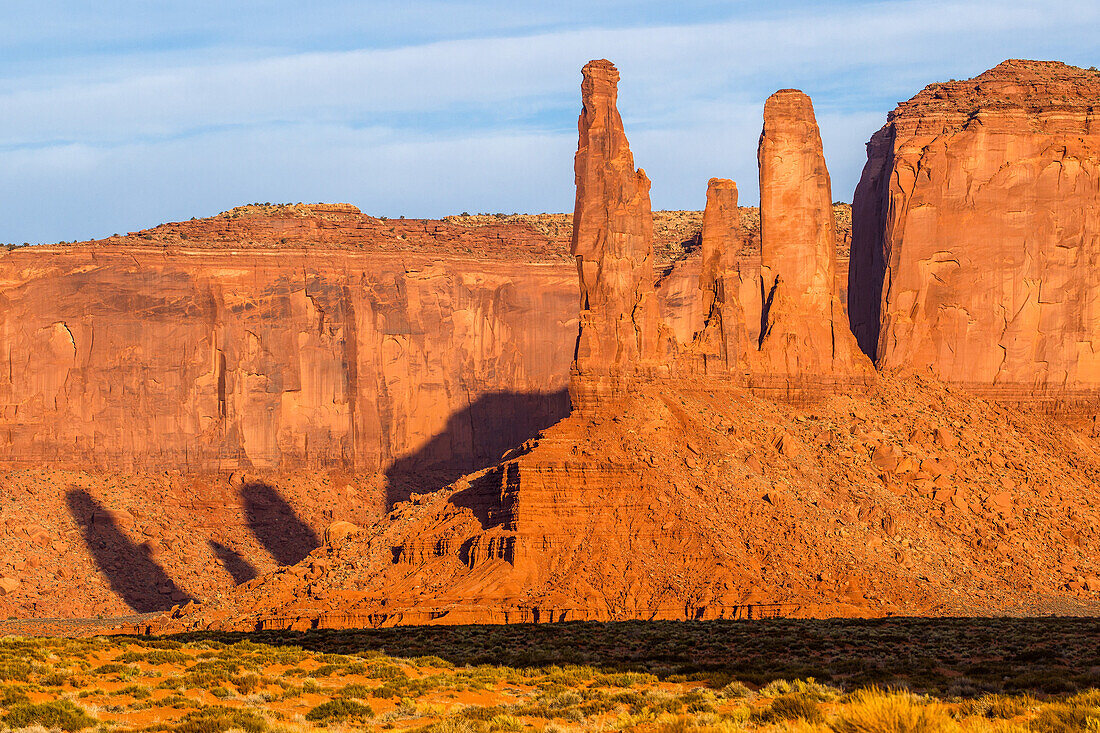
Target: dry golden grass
{"points": [[205, 685]]}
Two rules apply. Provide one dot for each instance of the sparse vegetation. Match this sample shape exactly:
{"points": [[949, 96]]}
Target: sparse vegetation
{"points": [[61, 714], [884, 676]]}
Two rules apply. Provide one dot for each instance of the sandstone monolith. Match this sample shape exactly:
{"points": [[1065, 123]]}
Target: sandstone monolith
{"points": [[612, 243], [723, 338], [805, 333]]}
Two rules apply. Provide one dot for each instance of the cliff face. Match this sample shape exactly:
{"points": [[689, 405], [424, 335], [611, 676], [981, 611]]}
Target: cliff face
{"points": [[131, 359], [284, 337], [978, 221]]}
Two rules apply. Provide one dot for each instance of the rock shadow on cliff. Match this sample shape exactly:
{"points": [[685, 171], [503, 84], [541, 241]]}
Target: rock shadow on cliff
{"points": [[276, 525], [138, 579], [474, 438], [234, 562]]}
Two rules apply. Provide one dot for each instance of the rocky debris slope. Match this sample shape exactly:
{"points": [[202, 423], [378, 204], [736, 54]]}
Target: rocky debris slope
{"points": [[977, 233], [910, 499]]}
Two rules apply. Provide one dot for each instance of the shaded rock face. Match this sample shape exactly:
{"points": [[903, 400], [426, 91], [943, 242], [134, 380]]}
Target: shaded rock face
{"points": [[977, 232], [804, 331], [612, 243]]}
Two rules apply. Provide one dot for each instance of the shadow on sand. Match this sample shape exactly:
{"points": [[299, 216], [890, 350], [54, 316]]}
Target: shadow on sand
{"points": [[965, 657]]}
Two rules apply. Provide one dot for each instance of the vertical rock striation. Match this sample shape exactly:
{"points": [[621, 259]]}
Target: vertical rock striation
{"points": [[804, 330], [613, 246], [976, 250]]}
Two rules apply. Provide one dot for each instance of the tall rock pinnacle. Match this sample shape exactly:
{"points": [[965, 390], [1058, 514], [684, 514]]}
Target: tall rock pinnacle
{"points": [[805, 329], [612, 239], [723, 336]]}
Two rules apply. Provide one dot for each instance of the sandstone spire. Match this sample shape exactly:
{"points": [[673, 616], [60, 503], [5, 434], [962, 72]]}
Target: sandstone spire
{"points": [[723, 335], [612, 238], [805, 330]]}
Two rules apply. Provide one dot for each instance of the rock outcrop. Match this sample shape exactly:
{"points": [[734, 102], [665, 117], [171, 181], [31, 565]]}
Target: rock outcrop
{"points": [[613, 244], [805, 332], [903, 498], [396, 363], [456, 335], [691, 495], [977, 233], [722, 339]]}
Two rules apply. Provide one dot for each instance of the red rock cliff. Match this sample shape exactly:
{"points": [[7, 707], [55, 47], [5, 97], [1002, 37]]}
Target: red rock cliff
{"points": [[977, 233], [693, 497], [137, 359]]}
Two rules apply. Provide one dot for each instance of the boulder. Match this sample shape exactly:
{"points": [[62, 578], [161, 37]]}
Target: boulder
{"points": [[337, 532]]}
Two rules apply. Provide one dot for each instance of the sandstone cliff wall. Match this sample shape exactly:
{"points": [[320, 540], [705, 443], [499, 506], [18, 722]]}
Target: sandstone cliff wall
{"points": [[133, 359], [976, 238]]}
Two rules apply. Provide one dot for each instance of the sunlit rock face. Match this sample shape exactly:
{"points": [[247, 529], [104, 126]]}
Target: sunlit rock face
{"points": [[620, 326], [128, 358], [805, 328], [977, 232]]}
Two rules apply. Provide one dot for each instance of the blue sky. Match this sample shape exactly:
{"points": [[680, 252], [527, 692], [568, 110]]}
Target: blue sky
{"points": [[115, 116]]}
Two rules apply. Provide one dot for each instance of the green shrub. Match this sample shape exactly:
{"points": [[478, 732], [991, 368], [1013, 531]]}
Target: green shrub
{"points": [[12, 695], [61, 714], [15, 671], [1005, 707], [218, 719], [505, 723], [809, 687], [735, 691], [248, 683], [1067, 716], [156, 657], [338, 710], [360, 692], [138, 692]]}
